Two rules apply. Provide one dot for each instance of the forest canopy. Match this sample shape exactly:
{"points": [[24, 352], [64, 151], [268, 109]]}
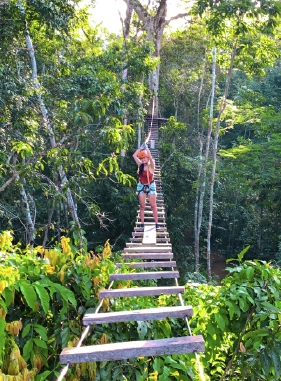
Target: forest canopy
{"points": [[75, 101]]}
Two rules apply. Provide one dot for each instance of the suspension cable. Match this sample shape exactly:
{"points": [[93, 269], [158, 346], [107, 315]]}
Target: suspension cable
{"points": [[151, 121], [200, 367], [84, 334]]}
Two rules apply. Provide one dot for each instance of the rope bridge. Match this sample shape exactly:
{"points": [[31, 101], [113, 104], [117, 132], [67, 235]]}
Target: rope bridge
{"points": [[149, 251]]}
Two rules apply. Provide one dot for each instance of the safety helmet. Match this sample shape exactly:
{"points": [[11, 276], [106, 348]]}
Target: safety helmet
{"points": [[143, 154]]}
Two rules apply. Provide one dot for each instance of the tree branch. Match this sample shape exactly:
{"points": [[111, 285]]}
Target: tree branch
{"points": [[8, 182], [139, 9], [180, 15]]}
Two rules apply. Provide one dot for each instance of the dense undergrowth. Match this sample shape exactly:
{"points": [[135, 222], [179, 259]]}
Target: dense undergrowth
{"points": [[45, 293]]}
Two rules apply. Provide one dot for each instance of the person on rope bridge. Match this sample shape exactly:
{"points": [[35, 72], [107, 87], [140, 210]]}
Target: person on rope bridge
{"points": [[146, 184]]}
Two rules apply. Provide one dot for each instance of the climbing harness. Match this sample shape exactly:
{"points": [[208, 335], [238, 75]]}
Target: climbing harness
{"points": [[145, 188], [149, 186]]}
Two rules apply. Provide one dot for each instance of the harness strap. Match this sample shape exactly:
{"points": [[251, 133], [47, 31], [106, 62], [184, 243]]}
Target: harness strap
{"points": [[145, 188]]}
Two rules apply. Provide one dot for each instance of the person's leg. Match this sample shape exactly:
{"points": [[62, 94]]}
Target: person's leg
{"points": [[142, 197], [152, 202]]}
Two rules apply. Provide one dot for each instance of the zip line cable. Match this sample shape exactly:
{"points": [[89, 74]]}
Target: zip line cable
{"points": [[151, 122]]}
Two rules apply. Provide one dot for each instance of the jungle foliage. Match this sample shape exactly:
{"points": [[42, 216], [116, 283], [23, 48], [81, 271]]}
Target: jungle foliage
{"points": [[49, 276], [43, 301]]}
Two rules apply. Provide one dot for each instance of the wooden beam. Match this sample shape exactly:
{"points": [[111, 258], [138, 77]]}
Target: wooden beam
{"points": [[145, 275], [148, 256], [148, 249], [138, 315], [132, 349], [141, 291], [152, 264]]}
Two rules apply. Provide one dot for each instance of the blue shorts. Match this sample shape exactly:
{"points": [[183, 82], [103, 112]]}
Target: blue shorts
{"points": [[147, 189]]}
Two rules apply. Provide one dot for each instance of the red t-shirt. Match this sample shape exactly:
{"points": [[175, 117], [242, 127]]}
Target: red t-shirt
{"points": [[143, 177]]}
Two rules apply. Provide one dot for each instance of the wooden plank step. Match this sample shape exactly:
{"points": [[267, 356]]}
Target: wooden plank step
{"points": [[148, 249], [147, 256], [136, 245], [149, 217], [150, 223], [141, 291], [149, 234], [149, 211], [144, 265], [158, 233], [145, 275], [158, 240], [138, 315], [162, 230], [161, 220], [132, 349]]}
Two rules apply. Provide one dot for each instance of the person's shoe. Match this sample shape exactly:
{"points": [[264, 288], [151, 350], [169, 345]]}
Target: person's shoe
{"points": [[157, 226], [141, 226]]}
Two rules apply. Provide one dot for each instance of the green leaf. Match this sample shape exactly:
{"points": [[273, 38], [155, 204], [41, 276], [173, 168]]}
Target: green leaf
{"points": [[40, 343], [243, 304], [221, 321], [43, 296], [142, 329], [177, 365], [26, 330], [27, 349], [158, 364], [64, 337], [211, 329], [250, 272], [265, 362], [277, 364], [2, 336], [42, 331], [233, 309], [8, 295], [66, 294], [117, 372], [43, 376], [243, 252], [270, 307], [166, 327], [165, 374], [29, 294]]}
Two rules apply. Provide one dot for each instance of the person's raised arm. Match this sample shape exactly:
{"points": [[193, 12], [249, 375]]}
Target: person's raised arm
{"points": [[136, 157], [151, 160]]}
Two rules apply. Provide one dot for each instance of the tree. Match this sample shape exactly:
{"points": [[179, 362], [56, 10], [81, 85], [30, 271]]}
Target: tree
{"points": [[154, 21], [85, 96], [246, 25]]}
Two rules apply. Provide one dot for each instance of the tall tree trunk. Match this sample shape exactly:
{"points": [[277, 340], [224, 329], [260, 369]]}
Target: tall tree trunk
{"points": [[126, 31], [46, 232], [30, 226], [154, 25], [47, 124], [201, 186], [215, 148]]}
